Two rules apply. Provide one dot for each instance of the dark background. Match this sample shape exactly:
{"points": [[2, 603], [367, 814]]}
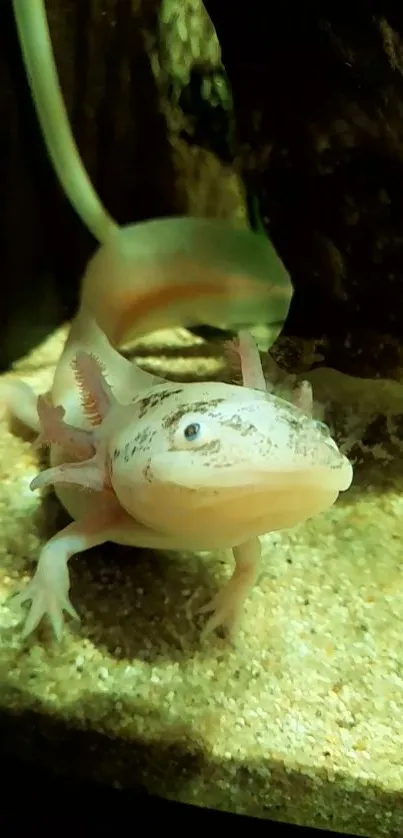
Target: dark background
{"points": [[318, 92]]}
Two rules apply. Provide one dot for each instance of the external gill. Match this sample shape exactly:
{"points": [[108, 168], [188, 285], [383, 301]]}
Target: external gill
{"points": [[91, 471], [96, 395], [245, 364], [54, 430], [243, 351]]}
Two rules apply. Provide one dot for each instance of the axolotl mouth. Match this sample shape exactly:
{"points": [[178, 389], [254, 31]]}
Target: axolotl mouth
{"points": [[336, 475], [221, 507]]}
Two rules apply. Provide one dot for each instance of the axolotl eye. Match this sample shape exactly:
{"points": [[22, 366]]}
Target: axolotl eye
{"points": [[192, 431]]}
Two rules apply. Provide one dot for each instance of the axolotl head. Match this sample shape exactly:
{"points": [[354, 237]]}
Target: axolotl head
{"points": [[213, 464]]}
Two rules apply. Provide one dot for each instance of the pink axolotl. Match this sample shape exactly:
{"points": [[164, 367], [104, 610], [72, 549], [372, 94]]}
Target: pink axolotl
{"points": [[141, 461]]}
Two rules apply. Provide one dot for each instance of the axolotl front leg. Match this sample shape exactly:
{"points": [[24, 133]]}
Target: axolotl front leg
{"points": [[227, 605], [49, 587], [48, 590]]}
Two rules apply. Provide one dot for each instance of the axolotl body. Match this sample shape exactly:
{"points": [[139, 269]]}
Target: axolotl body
{"points": [[141, 461]]}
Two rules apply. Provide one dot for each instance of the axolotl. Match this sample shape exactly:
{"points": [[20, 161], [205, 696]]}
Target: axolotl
{"points": [[145, 462], [141, 461]]}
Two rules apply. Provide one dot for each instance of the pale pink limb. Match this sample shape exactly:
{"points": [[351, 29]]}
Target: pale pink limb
{"points": [[96, 395], [228, 603], [244, 350], [75, 442], [48, 589]]}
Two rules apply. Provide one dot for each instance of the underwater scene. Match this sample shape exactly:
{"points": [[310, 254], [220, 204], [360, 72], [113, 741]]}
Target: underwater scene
{"points": [[201, 393]]}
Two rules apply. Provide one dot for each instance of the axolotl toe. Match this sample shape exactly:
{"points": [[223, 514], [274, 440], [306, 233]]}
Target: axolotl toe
{"points": [[195, 466]]}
